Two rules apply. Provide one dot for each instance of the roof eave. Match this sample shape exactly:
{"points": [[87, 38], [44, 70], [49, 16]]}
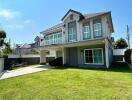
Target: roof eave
{"points": [[69, 12]]}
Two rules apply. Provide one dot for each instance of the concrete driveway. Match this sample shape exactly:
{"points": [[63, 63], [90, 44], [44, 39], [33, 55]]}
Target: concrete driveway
{"points": [[22, 71]]}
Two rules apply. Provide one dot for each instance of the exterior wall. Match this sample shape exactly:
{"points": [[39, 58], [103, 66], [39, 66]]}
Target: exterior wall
{"points": [[58, 54], [66, 21], [42, 56], [1, 64], [52, 53], [110, 53], [106, 33], [79, 57], [72, 56], [46, 57], [105, 27]]}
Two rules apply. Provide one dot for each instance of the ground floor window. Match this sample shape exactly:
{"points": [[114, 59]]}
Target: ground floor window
{"points": [[93, 56]]}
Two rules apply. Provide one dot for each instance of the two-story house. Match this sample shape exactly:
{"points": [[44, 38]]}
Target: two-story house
{"points": [[81, 40]]}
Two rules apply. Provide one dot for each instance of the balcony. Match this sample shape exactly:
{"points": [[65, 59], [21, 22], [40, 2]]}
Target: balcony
{"points": [[60, 40]]}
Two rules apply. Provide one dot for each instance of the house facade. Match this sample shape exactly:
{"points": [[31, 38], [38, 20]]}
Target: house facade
{"points": [[81, 40]]}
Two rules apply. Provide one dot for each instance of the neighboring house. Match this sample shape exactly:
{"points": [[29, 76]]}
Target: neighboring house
{"points": [[81, 40], [37, 42], [22, 49]]}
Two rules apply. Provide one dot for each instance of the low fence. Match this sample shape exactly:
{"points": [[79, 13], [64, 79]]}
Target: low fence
{"points": [[29, 59], [118, 54], [1, 64]]}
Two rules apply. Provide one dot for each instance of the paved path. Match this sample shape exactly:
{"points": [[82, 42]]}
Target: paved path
{"points": [[22, 71]]}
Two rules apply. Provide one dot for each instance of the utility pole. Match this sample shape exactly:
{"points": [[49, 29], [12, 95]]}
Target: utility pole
{"points": [[128, 37]]}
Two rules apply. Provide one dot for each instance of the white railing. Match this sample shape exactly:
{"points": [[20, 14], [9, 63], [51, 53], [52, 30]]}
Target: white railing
{"points": [[61, 40], [55, 41]]}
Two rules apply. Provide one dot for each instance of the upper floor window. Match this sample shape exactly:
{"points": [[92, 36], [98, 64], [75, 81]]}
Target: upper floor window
{"points": [[72, 31], [54, 38], [57, 38], [86, 31], [97, 26], [71, 17]]}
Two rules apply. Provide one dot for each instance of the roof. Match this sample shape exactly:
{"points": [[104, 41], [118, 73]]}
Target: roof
{"points": [[73, 12], [24, 46], [91, 15], [37, 38], [53, 27], [82, 16]]}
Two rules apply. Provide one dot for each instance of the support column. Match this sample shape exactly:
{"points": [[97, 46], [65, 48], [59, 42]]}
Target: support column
{"points": [[64, 55], [42, 57], [107, 53]]}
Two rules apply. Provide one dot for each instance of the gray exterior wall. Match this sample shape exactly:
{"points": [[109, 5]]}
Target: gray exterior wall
{"points": [[72, 56], [110, 53], [75, 56]]}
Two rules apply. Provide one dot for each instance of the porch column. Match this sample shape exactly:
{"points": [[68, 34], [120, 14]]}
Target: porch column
{"points": [[64, 55], [107, 53], [42, 57]]}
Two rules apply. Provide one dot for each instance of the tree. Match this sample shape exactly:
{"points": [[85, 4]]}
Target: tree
{"points": [[2, 37], [7, 49], [120, 44]]}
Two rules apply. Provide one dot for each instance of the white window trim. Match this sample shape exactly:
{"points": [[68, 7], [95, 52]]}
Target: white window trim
{"points": [[93, 59], [97, 30], [88, 32]]}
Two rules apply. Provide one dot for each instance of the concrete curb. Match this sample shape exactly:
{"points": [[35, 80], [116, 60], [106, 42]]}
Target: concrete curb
{"points": [[2, 73]]}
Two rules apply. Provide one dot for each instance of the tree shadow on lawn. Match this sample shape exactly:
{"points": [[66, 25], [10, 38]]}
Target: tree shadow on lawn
{"points": [[115, 67]]}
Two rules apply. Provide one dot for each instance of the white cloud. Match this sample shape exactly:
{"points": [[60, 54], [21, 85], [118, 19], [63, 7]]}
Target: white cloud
{"points": [[8, 14], [19, 25], [28, 21], [15, 26]]}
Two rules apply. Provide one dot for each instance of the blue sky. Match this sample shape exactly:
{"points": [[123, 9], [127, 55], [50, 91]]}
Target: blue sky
{"points": [[24, 19]]}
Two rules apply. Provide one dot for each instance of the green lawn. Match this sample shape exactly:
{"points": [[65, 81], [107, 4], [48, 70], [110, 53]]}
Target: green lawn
{"points": [[70, 84]]}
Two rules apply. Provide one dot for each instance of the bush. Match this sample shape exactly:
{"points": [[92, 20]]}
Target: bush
{"points": [[128, 56]]}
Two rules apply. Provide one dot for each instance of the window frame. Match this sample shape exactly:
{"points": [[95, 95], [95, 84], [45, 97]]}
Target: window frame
{"points": [[97, 21], [88, 33], [72, 30], [93, 56]]}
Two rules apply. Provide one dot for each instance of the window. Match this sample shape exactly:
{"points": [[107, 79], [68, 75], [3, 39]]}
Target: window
{"points": [[93, 56], [86, 31], [88, 56], [55, 38], [97, 28], [71, 17], [72, 31]]}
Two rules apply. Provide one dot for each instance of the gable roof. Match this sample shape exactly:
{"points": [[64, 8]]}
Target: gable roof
{"points": [[37, 38], [82, 16], [91, 15], [53, 28], [73, 12]]}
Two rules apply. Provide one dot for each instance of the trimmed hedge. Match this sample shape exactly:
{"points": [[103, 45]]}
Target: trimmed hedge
{"points": [[128, 56]]}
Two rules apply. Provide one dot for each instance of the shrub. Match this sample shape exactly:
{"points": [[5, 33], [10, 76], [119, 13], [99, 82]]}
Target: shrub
{"points": [[128, 56]]}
